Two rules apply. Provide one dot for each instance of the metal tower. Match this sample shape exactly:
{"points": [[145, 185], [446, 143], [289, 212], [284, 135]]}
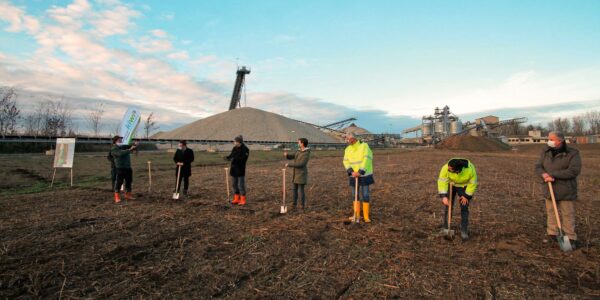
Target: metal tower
{"points": [[237, 89]]}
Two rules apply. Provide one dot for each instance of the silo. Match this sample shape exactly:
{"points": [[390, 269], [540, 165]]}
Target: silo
{"points": [[439, 126], [455, 127], [426, 129]]}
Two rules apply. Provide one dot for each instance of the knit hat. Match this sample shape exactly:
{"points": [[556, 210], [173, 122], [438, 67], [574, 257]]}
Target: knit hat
{"points": [[239, 139]]}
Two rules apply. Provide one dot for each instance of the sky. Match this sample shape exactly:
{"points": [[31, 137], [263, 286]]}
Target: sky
{"points": [[386, 63]]}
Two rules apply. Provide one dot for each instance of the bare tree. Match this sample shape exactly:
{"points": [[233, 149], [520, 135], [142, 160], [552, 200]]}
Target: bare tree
{"points": [[9, 113], [562, 124], [50, 118], [115, 128], [94, 119], [578, 124], [593, 120], [149, 125]]}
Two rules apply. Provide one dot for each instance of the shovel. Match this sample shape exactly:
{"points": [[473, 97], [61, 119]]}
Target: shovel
{"points": [[283, 209], [176, 194], [563, 241], [227, 184], [356, 204], [448, 233]]}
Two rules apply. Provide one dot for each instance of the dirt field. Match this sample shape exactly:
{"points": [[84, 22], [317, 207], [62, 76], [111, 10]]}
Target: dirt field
{"points": [[75, 243]]}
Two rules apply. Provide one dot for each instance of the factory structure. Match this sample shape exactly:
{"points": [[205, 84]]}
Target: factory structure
{"points": [[443, 124]]}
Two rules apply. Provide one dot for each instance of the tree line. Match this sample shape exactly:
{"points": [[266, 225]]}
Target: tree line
{"points": [[53, 116]]}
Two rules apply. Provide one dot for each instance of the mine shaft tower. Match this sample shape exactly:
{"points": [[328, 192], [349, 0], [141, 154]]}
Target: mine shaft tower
{"points": [[237, 88]]}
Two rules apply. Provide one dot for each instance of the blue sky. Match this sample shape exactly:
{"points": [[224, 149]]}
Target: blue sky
{"points": [[385, 62]]}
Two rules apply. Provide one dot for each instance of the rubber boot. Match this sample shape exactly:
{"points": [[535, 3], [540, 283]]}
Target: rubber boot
{"points": [[242, 200], [365, 207], [236, 199], [117, 197], [129, 196]]}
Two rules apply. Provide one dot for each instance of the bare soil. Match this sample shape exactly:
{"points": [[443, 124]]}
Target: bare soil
{"points": [[75, 243]]}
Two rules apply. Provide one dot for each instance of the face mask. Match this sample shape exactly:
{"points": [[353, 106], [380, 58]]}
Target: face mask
{"points": [[551, 144]]}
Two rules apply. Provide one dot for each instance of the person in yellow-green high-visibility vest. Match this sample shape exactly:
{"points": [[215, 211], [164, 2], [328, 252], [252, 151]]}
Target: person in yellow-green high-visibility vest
{"points": [[358, 161], [461, 173]]}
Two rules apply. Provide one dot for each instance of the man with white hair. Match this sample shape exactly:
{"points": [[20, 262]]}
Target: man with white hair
{"points": [[358, 161], [559, 164]]}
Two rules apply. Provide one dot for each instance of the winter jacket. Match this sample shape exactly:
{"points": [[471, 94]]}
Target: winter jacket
{"points": [[299, 166], [238, 157], [111, 159], [186, 157], [358, 157], [122, 156], [466, 178], [564, 167]]}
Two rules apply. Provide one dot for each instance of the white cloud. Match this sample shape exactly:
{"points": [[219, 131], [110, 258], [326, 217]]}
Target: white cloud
{"points": [[147, 44], [17, 19], [73, 60], [114, 21], [179, 55], [159, 33]]}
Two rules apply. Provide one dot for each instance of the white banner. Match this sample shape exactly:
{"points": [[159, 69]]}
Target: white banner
{"points": [[129, 125], [65, 151]]}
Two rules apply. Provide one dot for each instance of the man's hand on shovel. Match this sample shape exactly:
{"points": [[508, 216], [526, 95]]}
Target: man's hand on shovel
{"points": [[547, 177], [445, 201]]}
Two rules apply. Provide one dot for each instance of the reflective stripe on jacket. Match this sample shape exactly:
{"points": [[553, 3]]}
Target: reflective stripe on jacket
{"points": [[467, 177]]}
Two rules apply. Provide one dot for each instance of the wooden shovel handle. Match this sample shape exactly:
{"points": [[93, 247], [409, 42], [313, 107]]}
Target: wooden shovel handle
{"points": [[554, 205], [450, 204]]}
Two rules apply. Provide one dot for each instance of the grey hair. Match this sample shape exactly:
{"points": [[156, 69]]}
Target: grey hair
{"points": [[558, 134], [350, 135]]}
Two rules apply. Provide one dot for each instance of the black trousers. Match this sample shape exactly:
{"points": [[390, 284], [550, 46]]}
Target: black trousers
{"points": [[186, 183], [124, 175], [113, 177]]}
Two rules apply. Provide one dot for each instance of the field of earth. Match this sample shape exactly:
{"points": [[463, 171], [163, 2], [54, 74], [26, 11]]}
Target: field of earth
{"points": [[74, 242]]}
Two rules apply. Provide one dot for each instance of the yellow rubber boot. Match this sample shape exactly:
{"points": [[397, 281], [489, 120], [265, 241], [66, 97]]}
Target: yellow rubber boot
{"points": [[356, 208], [366, 212]]}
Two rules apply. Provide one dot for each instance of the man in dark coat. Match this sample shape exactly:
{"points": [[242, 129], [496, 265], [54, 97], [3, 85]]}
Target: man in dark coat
{"points": [[183, 157], [559, 164], [238, 157], [300, 169], [122, 157]]}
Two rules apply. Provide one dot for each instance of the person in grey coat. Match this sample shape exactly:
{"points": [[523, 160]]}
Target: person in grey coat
{"points": [[559, 164], [300, 169]]}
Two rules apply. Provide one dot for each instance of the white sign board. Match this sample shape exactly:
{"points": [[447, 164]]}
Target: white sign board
{"points": [[65, 151], [129, 125]]}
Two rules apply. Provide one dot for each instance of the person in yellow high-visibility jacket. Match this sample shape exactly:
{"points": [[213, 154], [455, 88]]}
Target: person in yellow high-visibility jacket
{"points": [[461, 173], [358, 161]]}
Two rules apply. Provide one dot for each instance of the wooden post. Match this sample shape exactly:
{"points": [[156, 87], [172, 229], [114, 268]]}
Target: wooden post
{"points": [[53, 175], [71, 177], [227, 184], [149, 176]]}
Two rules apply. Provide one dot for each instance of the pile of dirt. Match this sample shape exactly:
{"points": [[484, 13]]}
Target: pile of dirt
{"points": [[254, 124], [355, 130], [472, 143]]}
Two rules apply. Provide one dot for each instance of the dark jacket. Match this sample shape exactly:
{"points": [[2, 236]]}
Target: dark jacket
{"points": [[111, 159], [186, 157], [564, 167], [121, 156], [300, 166], [238, 157]]}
